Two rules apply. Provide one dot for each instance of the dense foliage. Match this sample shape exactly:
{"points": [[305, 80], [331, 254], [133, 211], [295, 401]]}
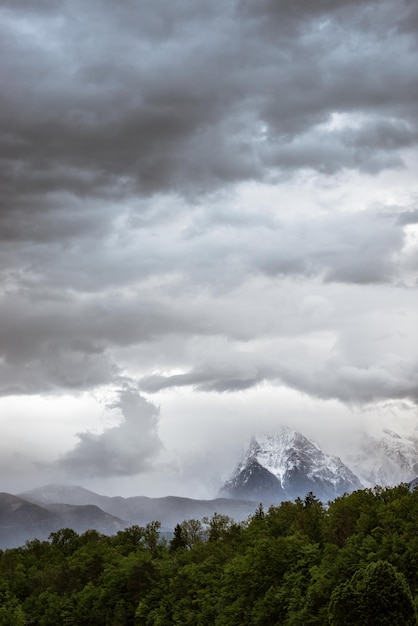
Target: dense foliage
{"points": [[300, 563]]}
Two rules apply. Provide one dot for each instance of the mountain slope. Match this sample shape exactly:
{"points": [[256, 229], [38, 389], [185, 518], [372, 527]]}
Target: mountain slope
{"points": [[140, 510], [22, 520], [65, 494], [287, 465]]}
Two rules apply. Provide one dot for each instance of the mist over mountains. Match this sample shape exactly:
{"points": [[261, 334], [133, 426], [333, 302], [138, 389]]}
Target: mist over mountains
{"points": [[275, 467], [37, 513], [386, 459]]}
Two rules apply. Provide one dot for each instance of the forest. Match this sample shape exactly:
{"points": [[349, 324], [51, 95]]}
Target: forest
{"points": [[352, 561]]}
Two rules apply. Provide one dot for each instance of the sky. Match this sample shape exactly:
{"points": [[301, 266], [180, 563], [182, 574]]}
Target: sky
{"points": [[208, 228]]}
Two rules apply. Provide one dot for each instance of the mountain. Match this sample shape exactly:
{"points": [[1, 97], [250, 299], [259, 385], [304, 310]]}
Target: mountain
{"points": [[19, 519], [86, 516], [22, 520], [65, 494], [386, 459], [285, 466], [140, 510]]}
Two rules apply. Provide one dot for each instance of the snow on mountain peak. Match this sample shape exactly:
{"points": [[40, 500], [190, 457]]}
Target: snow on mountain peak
{"points": [[288, 450], [289, 464], [386, 459]]}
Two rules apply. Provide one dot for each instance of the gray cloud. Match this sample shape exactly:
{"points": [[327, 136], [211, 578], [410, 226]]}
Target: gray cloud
{"points": [[207, 196], [106, 103], [219, 377], [124, 450], [48, 344], [408, 217], [350, 345], [331, 378], [53, 338]]}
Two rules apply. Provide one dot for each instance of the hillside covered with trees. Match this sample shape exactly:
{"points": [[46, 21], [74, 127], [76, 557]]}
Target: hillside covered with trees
{"points": [[299, 563]]}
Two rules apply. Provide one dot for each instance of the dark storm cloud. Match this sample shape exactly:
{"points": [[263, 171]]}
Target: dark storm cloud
{"points": [[103, 101], [53, 337], [334, 378], [212, 377], [49, 344], [123, 450], [358, 247], [125, 131], [351, 383]]}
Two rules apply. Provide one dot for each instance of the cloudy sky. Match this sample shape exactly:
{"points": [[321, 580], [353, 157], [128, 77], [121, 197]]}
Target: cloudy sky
{"points": [[208, 227]]}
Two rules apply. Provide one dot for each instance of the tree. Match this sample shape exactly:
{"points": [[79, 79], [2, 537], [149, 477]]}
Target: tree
{"points": [[65, 540], [11, 613], [218, 526], [375, 595], [178, 540], [151, 536], [187, 534]]}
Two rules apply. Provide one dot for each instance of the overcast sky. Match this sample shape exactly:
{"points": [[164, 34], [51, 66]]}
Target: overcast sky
{"points": [[208, 227]]}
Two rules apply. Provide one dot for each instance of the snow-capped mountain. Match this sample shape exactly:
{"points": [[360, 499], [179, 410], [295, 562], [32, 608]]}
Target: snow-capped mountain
{"points": [[285, 466], [387, 459]]}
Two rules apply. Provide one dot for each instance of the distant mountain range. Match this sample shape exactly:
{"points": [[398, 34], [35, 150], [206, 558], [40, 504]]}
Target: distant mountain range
{"points": [[275, 467], [39, 512]]}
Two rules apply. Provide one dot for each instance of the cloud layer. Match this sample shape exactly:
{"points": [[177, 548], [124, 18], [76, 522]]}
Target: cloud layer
{"points": [[212, 196]]}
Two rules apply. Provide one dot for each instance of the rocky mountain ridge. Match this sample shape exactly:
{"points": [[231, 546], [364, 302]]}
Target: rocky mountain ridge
{"points": [[287, 465]]}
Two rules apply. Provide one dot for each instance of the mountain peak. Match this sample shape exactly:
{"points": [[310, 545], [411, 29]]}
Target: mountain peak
{"points": [[285, 465]]}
